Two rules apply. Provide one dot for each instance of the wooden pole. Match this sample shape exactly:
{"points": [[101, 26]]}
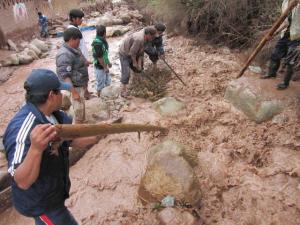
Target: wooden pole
{"points": [[173, 71], [270, 34], [68, 131]]}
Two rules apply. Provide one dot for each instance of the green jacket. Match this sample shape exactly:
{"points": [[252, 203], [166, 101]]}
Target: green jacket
{"points": [[100, 44]]}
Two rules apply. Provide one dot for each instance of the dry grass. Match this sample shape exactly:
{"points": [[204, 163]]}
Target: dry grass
{"points": [[231, 22]]}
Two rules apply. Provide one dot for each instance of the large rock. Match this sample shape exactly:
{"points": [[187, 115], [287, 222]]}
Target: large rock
{"points": [[35, 49], [168, 106], [136, 15], [254, 98], [96, 110], [126, 18], [174, 148], [109, 20], [172, 216], [24, 58], [12, 45], [12, 60], [168, 173], [40, 45], [31, 53], [117, 31], [111, 92]]}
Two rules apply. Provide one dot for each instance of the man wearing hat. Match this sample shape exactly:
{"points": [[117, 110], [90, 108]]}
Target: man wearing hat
{"points": [[76, 16], [70, 67], [155, 48], [40, 168]]}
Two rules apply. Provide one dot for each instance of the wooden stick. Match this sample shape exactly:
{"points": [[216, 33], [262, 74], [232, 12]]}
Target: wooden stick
{"points": [[270, 34], [168, 65], [86, 130]]}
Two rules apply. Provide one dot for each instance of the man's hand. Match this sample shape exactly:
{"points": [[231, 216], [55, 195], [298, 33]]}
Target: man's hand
{"points": [[41, 135], [75, 95], [106, 70], [109, 65]]}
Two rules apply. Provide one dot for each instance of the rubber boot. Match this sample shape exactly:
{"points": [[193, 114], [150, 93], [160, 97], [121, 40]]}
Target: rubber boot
{"points": [[273, 68], [287, 78]]}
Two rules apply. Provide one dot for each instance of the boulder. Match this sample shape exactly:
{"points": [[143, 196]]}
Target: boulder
{"points": [[24, 58], [174, 148], [31, 53], [12, 60], [168, 106], [169, 174], [97, 110], [111, 92], [254, 99], [109, 20], [126, 18], [172, 216], [40, 45], [117, 31], [12, 45], [136, 15], [35, 49]]}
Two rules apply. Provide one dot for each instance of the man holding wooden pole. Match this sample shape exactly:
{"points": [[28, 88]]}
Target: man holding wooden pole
{"points": [[286, 47], [40, 168], [37, 144]]}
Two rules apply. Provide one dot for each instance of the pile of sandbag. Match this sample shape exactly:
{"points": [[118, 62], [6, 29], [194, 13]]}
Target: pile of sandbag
{"points": [[36, 49]]}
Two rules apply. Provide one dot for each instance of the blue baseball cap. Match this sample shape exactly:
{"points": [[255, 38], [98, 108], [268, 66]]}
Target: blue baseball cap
{"points": [[41, 81]]}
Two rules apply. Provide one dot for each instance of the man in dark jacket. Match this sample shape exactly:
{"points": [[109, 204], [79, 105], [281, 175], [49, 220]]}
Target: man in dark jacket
{"points": [[37, 160], [155, 48], [71, 67]]}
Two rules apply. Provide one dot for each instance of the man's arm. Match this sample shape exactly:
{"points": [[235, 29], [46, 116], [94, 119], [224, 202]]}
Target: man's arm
{"points": [[134, 50], [28, 171]]}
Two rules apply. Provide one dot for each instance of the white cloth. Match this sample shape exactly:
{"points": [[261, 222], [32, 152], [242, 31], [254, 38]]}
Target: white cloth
{"points": [[82, 45], [52, 119], [295, 26]]}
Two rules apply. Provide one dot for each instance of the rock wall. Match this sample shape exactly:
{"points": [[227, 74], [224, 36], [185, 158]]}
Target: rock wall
{"points": [[15, 16]]}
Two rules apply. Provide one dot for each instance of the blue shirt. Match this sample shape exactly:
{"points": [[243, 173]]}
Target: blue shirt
{"points": [[52, 186], [43, 21]]}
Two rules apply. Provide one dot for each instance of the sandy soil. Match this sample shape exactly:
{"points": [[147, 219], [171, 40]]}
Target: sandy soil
{"points": [[248, 173]]}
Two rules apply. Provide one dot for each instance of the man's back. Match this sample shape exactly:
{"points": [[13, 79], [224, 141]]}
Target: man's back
{"points": [[133, 44]]}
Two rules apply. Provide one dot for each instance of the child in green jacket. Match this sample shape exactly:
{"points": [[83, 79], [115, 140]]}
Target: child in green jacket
{"points": [[101, 61]]}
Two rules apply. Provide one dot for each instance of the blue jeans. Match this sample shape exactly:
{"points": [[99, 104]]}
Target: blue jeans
{"points": [[103, 79], [61, 216]]}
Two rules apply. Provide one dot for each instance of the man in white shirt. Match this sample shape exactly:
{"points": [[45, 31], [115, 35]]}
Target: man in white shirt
{"points": [[76, 16]]}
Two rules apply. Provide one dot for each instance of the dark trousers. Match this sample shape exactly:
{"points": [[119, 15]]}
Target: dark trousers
{"points": [[61, 216]]}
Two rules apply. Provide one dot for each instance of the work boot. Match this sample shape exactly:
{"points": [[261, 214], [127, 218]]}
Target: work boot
{"points": [[273, 68], [287, 78]]}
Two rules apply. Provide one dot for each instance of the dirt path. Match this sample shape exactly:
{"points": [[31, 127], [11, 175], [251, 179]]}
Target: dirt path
{"points": [[247, 172]]}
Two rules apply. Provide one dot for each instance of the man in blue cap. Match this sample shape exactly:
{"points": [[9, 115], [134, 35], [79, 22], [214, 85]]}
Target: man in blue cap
{"points": [[40, 168]]}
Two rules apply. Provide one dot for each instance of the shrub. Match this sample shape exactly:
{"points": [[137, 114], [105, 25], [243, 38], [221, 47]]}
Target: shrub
{"points": [[235, 23]]}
